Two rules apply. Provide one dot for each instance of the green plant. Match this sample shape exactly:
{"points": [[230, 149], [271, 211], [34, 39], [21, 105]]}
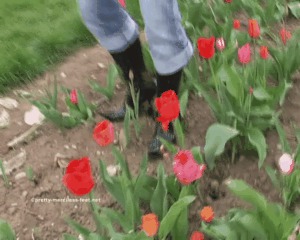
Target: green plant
{"points": [[264, 220], [6, 231], [6, 182], [108, 91]]}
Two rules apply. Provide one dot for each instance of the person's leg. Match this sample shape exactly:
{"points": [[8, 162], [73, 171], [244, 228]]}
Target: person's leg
{"points": [[118, 33], [171, 50]]}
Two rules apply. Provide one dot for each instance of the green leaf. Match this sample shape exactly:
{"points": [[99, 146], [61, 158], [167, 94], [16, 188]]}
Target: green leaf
{"points": [[127, 125], [253, 226], [197, 154], [257, 139], [179, 133], [173, 187], [233, 81], [247, 193], [272, 175], [295, 8], [175, 210], [169, 146], [69, 237], [181, 226], [94, 236], [81, 102], [78, 227], [130, 206], [261, 94], [216, 137], [183, 102], [282, 137], [113, 186], [111, 79], [158, 202], [6, 231], [118, 218], [122, 162]]}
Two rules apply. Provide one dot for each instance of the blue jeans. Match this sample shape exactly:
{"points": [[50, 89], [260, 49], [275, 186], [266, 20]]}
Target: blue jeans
{"points": [[115, 30]]}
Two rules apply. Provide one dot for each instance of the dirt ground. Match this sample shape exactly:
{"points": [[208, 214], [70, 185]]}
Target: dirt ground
{"points": [[42, 220]]}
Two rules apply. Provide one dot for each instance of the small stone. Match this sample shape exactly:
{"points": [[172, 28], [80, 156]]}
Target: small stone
{"points": [[12, 210], [24, 194], [33, 116], [63, 75], [118, 86], [25, 230], [4, 118], [9, 103], [115, 141], [66, 147], [14, 204], [73, 146], [208, 200], [84, 55], [279, 146], [93, 77], [75, 207], [200, 69], [98, 153], [22, 93], [20, 175], [101, 65], [40, 217], [113, 170]]}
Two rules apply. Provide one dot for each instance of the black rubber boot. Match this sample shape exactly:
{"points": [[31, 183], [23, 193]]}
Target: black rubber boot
{"points": [[132, 59], [164, 83]]}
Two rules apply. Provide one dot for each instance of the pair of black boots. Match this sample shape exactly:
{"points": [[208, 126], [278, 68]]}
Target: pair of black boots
{"points": [[132, 59]]}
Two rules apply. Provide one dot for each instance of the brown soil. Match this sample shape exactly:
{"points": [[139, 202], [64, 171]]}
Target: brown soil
{"points": [[46, 219]]}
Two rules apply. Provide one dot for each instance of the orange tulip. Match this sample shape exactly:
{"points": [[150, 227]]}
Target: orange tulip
{"points": [[207, 214], [150, 224]]}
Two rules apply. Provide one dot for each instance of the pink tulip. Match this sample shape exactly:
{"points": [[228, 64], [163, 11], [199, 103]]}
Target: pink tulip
{"points": [[73, 96], [220, 44], [123, 3], [244, 54], [186, 169], [286, 163]]}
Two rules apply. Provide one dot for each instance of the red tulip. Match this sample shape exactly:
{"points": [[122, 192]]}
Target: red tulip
{"points": [[123, 3], [197, 236], [73, 96], [168, 107], [186, 169], [227, 1], [78, 177], [236, 24], [220, 44], [206, 47], [253, 28], [264, 53], [285, 35], [251, 90], [104, 133], [244, 54]]}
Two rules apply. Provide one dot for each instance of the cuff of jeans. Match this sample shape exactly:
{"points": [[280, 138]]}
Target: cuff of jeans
{"points": [[121, 40], [177, 62]]}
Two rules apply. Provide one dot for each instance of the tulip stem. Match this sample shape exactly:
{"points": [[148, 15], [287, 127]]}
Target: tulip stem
{"points": [[234, 144], [215, 81], [96, 215]]}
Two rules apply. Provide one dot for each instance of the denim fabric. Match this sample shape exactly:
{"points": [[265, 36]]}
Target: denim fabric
{"points": [[115, 30]]}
